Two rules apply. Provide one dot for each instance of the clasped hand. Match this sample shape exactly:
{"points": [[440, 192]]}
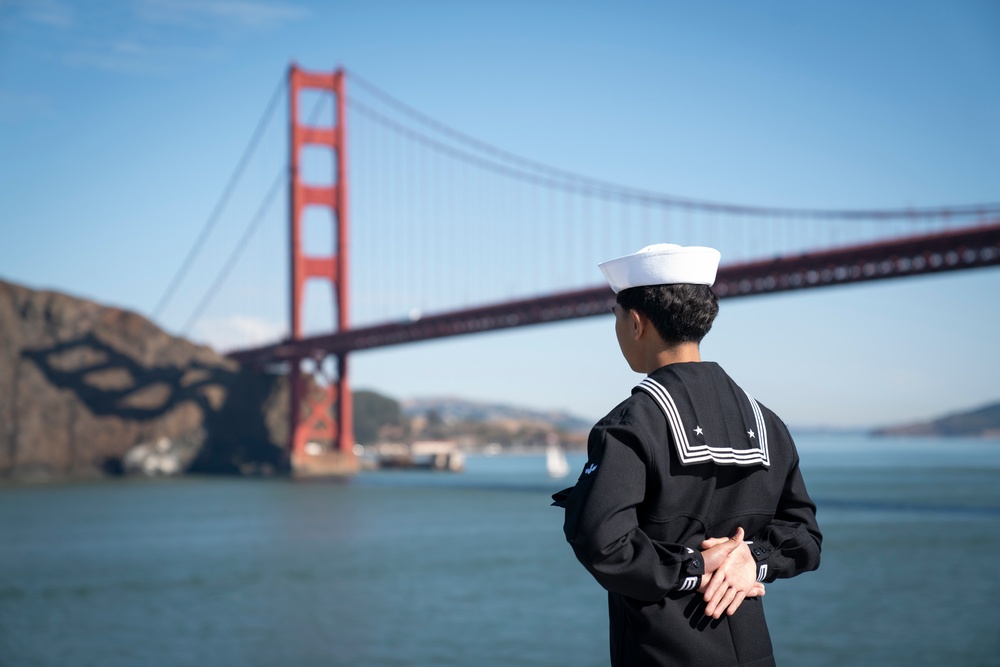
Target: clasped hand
{"points": [[730, 574]]}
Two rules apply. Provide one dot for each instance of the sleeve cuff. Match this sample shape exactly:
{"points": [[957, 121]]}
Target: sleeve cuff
{"points": [[559, 497], [695, 568], [691, 583], [760, 554]]}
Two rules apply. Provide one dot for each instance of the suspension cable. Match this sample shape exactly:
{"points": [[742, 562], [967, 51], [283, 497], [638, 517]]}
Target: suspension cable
{"points": [[227, 192], [238, 250], [251, 226], [578, 182]]}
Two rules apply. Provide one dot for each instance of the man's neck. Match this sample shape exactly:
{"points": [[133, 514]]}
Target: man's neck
{"points": [[678, 354]]}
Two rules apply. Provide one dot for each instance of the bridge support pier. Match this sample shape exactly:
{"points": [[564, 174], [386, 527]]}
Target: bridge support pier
{"points": [[321, 438]]}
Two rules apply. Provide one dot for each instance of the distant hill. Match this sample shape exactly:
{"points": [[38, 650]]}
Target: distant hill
{"points": [[822, 429], [460, 410], [982, 422]]}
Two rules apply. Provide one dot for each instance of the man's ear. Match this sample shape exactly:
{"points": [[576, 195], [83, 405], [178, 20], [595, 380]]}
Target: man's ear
{"points": [[637, 322]]}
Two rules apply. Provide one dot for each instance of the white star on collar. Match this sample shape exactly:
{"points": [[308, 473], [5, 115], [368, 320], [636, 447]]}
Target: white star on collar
{"points": [[750, 433], [697, 430]]}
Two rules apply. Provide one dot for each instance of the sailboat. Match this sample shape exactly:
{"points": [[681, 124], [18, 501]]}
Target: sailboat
{"points": [[555, 460]]}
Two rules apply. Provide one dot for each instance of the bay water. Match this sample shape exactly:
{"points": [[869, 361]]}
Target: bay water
{"points": [[410, 568]]}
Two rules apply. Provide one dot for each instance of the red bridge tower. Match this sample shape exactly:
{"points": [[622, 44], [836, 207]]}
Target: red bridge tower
{"points": [[320, 420]]}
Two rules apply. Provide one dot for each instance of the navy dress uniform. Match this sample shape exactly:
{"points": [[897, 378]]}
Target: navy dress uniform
{"points": [[688, 456]]}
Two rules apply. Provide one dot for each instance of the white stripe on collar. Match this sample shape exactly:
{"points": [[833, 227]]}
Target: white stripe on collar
{"points": [[695, 453]]}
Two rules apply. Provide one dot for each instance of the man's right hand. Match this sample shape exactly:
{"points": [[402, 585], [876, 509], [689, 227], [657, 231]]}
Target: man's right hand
{"points": [[715, 550], [730, 574]]}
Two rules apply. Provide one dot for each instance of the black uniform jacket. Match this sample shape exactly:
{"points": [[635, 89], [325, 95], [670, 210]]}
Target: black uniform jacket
{"points": [[688, 456]]}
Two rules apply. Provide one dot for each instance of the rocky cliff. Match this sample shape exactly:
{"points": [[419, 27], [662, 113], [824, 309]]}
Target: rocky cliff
{"points": [[83, 384]]}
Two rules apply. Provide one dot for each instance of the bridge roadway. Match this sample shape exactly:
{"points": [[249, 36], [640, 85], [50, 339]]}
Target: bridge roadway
{"points": [[944, 251]]}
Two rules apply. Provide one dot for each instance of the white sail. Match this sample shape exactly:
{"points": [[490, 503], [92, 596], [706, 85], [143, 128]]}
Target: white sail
{"points": [[555, 461]]}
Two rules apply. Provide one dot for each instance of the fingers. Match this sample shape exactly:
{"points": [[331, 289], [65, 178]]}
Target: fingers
{"points": [[718, 586], [717, 561], [716, 583], [730, 599], [731, 575], [715, 550], [735, 604], [713, 542], [736, 539], [726, 543], [716, 609]]}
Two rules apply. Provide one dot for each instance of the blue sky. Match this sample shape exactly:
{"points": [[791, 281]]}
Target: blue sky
{"points": [[120, 122]]}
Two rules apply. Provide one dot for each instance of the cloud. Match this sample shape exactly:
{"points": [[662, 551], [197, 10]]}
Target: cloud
{"points": [[146, 36], [199, 13], [237, 331], [129, 46], [131, 55], [110, 57], [48, 12]]}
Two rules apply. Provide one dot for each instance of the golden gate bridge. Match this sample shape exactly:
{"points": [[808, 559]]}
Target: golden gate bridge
{"points": [[427, 232]]}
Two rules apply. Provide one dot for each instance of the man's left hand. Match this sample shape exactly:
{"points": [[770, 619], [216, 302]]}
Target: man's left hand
{"points": [[735, 579]]}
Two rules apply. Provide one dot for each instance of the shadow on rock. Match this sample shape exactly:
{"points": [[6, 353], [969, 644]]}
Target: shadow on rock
{"points": [[239, 412]]}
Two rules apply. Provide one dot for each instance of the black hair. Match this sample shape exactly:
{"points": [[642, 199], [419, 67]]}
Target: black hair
{"points": [[680, 313]]}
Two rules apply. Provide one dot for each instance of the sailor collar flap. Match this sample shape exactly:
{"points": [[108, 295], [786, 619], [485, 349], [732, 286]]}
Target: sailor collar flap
{"points": [[711, 418]]}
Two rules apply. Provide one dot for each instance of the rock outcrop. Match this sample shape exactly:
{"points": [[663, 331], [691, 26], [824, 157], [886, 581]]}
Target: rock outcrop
{"points": [[82, 384]]}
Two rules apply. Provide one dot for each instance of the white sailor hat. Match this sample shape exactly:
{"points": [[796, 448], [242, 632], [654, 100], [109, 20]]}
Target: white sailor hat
{"points": [[662, 264]]}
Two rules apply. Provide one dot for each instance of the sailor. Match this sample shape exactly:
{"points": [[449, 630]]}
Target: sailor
{"points": [[691, 498]]}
